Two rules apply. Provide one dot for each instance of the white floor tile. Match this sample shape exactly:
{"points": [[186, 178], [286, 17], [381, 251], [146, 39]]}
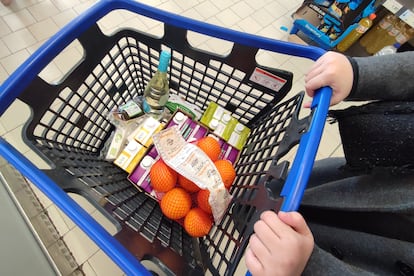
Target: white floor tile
{"points": [[19, 40], [19, 20], [4, 50], [43, 10], [44, 29], [103, 265], [81, 246]]}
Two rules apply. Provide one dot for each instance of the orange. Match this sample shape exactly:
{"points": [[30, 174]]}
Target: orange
{"points": [[197, 223], [162, 177], [187, 184], [176, 203], [227, 172], [210, 146], [202, 201]]}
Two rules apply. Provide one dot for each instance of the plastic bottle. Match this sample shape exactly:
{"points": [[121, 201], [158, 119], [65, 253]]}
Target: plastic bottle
{"points": [[378, 31], [363, 25], [406, 34], [388, 50], [387, 39], [156, 92]]}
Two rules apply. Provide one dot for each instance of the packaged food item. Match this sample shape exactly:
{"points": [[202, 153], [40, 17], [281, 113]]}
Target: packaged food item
{"points": [[176, 102], [228, 152], [131, 109], [130, 156], [117, 144], [191, 162], [225, 126], [140, 175], [218, 120], [146, 130], [239, 135]]}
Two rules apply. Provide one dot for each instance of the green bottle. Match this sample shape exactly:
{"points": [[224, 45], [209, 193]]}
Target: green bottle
{"points": [[157, 91]]}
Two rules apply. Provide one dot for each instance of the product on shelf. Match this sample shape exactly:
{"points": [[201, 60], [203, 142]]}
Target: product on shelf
{"points": [[363, 25], [399, 32], [379, 30]]}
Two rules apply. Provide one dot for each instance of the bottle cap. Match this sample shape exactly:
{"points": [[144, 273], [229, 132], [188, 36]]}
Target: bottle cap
{"points": [[179, 116], [213, 124], [239, 127], [226, 118], [146, 161], [164, 61]]}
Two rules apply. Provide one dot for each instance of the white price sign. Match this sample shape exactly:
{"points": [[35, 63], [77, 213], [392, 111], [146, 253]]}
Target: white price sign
{"points": [[392, 5], [408, 17]]}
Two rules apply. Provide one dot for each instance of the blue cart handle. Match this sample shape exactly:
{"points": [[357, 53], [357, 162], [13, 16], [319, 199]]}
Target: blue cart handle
{"points": [[297, 180]]}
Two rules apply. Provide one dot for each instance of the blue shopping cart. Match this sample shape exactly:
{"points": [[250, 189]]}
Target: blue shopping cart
{"points": [[69, 127]]}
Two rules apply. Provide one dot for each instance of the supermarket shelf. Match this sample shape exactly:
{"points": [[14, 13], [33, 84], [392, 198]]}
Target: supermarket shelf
{"points": [[402, 8]]}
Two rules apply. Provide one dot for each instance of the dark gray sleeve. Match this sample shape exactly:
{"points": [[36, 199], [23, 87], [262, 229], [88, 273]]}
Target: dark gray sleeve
{"points": [[389, 77]]}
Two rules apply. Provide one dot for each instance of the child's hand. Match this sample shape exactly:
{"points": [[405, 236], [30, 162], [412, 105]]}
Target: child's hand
{"points": [[281, 245], [332, 69]]}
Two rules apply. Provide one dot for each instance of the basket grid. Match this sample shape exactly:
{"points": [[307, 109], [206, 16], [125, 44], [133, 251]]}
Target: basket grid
{"points": [[73, 126]]}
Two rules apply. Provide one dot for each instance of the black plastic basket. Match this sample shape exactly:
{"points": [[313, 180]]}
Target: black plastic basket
{"points": [[69, 128]]}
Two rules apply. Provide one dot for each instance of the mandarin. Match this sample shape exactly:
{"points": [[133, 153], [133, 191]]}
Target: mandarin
{"points": [[227, 172], [197, 223], [176, 203], [187, 184], [210, 146], [162, 177], [202, 201]]}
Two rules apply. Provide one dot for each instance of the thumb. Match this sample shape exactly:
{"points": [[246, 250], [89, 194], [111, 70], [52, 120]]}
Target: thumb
{"points": [[296, 221]]}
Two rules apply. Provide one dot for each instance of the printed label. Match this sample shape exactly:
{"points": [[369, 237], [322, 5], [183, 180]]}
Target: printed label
{"points": [[267, 79]]}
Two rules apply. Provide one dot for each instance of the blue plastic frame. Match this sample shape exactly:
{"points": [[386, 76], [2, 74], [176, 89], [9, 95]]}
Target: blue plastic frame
{"points": [[23, 76]]}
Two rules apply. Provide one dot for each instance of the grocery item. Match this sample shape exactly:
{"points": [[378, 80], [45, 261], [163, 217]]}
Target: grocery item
{"points": [[388, 38], [387, 50], [197, 223], [175, 204], [227, 172], [157, 91], [187, 184], [363, 25], [190, 161], [202, 201], [130, 156], [378, 31], [210, 146], [162, 177], [146, 129]]}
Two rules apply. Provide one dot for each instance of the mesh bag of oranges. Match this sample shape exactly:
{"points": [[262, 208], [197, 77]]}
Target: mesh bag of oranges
{"points": [[194, 182]]}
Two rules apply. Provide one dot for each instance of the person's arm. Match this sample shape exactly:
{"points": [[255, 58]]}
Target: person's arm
{"points": [[388, 77], [281, 245], [363, 78]]}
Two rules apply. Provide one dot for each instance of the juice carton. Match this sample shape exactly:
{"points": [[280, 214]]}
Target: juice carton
{"points": [[140, 175], [219, 120], [116, 145], [144, 132], [238, 136], [194, 132], [130, 156]]}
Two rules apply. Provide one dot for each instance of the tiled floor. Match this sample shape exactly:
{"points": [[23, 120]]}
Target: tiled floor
{"points": [[26, 24]]}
